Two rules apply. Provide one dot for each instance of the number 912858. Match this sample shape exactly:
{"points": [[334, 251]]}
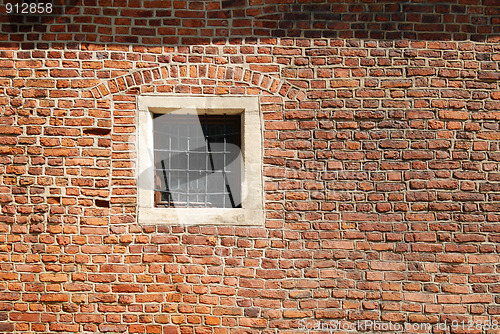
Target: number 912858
{"points": [[28, 8]]}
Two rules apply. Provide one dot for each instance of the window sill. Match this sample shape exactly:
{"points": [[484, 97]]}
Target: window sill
{"points": [[201, 216]]}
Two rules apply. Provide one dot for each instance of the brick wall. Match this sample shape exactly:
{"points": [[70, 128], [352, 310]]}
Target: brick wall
{"points": [[381, 165]]}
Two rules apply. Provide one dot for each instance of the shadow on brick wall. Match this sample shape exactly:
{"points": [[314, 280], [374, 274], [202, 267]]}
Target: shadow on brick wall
{"points": [[190, 22]]}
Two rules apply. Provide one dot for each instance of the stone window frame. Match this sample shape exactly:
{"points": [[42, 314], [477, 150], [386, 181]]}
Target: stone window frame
{"points": [[251, 212]]}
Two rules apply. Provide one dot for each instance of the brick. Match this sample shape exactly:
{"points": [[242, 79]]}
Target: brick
{"points": [[54, 297], [128, 288], [25, 317], [338, 244], [60, 152], [53, 277], [6, 327], [460, 115], [396, 83], [483, 258], [341, 83], [84, 83]]}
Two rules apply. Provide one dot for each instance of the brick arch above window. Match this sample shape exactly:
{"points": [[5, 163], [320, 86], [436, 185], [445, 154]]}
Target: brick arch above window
{"points": [[210, 79]]}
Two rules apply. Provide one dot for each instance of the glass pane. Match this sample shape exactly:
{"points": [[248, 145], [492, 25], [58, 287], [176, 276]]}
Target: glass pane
{"points": [[197, 160]]}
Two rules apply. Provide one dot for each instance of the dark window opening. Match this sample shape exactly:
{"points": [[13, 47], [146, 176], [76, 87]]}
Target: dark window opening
{"points": [[197, 161]]}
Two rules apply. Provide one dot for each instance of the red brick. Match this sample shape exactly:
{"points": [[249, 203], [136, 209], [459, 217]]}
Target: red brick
{"points": [[54, 297]]}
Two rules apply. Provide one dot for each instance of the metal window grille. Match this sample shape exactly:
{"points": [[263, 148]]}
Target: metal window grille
{"points": [[197, 160]]}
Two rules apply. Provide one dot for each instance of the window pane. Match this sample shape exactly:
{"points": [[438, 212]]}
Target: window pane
{"points": [[197, 160]]}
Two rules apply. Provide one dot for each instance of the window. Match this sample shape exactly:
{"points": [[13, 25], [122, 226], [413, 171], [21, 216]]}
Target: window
{"points": [[199, 161]]}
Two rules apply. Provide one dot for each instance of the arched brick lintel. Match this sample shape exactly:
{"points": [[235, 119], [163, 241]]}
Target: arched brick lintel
{"points": [[222, 77]]}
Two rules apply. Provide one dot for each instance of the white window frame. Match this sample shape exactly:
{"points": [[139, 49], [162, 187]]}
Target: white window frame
{"points": [[251, 212]]}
